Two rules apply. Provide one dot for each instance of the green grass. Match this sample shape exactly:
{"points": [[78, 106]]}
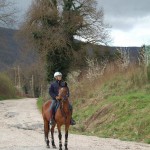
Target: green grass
{"points": [[40, 103], [121, 111], [132, 119], [3, 98]]}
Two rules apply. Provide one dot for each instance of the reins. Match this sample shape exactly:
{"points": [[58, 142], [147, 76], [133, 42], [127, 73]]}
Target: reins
{"points": [[61, 101], [61, 108]]}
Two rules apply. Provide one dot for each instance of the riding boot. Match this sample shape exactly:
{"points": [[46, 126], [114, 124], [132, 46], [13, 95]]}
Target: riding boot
{"points": [[72, 121], [51, 119]]}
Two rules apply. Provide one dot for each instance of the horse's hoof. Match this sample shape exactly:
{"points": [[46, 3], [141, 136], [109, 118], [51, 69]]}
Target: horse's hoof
{"points": [[47, 146], [54, 146]]}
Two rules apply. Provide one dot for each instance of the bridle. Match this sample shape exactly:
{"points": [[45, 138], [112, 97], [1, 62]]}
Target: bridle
{"points": [[63, 98], [61, 101]]}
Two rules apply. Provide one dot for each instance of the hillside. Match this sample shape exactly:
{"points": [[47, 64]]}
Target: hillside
{"points": [[12, 50], [116, 105], [9, 48]]}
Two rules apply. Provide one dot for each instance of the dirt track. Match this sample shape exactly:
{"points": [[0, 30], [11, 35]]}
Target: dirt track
{"points": [[21, 128]]}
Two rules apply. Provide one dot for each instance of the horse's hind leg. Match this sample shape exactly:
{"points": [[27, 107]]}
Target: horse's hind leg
{"points": [[46, 132], [52, 136]]}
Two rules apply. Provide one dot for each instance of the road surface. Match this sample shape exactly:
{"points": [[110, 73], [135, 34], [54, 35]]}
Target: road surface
{"points": [[21, 128]]}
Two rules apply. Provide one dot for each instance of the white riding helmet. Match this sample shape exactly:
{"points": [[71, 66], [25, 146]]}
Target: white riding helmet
{"points": [[57, 74]]}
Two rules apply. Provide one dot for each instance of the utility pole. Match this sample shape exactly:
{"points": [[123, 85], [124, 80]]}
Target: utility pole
{"points": [[19, 83], [41, 90], [15, 76], [32, 85]]}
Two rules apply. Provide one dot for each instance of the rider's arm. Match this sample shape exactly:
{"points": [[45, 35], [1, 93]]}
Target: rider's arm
{"points": [[51, 92]]}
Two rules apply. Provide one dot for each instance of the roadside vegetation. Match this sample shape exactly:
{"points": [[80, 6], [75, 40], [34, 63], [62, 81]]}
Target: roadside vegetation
{"points": [[115, 104], [40, 102], [7, 89]]}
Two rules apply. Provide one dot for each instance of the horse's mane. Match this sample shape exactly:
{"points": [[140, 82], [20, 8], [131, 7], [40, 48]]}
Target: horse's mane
{"points": [[63, 84]]}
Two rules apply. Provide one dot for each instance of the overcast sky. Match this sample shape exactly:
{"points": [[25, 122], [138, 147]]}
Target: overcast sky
{"points": [[130, 20]]}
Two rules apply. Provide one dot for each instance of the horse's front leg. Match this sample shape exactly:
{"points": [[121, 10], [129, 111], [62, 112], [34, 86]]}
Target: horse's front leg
{"points": [[59, 136], [66, 136], [52, 136], [46, 131]]}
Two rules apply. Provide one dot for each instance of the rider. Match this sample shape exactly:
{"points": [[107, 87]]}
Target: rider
{"points": [[53, 91]]}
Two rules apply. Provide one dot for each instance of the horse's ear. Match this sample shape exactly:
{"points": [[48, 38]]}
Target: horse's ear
{"points": [[63, 84]]}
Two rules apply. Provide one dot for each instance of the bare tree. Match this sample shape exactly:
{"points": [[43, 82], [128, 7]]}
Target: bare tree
{"points": [[124, 58], [92, 27], [53, 25], [7, 12]]}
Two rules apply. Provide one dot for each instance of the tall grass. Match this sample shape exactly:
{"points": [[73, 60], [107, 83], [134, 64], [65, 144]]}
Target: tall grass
{"points": [[7, 89], [40, 102], [113, 104]]}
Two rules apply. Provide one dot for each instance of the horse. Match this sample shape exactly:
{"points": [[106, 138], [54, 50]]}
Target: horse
{"points": [[62, 117]]}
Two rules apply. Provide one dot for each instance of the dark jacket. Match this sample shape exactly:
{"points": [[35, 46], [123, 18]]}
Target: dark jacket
{"points": [[54, 87]]}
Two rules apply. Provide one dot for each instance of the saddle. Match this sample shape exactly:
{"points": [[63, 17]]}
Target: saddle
{"points": [[55, 110]]}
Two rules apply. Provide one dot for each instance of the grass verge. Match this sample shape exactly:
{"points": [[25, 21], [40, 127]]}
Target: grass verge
{"points": [[40, 103], [118, 108]]}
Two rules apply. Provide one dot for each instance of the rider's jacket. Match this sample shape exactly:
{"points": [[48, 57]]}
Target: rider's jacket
{"points": [[54, 87]]}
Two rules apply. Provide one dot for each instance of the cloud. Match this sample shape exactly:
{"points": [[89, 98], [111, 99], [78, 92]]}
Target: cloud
{"points": [[130, 21], [124, 15], [132, 8], [138, 36]]}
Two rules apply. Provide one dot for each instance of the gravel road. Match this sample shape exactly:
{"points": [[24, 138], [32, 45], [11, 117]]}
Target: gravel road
{"points": [[21, 128]]}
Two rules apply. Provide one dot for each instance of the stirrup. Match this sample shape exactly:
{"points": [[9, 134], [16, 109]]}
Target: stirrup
{"points": [[72, 122]]}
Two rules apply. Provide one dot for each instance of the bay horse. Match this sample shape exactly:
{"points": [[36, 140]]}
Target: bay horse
{"points": [[62, 117]]}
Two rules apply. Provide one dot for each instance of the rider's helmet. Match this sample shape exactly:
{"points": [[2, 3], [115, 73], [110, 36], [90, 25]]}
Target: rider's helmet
{"points": [[57, 74]]}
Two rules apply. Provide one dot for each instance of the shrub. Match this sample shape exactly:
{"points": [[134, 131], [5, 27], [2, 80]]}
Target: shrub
{"points": [[148, 73], [7, 89], [40, 102]]}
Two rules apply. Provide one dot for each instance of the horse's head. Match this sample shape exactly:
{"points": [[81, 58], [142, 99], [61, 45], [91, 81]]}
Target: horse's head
{"points": [[63, 91]]}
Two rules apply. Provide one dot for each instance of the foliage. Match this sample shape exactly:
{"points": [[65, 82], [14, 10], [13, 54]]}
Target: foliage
{"points": [[57, 60], [114, 105], [7, 89], [148, 72], [40, 103], [53, 25]]}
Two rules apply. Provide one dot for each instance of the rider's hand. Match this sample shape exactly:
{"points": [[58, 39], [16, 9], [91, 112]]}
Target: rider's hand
{"points": [[57, 97]]}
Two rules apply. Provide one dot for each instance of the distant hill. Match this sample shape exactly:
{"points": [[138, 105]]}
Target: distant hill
{"points": [[11, 50], [110, 50]]}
